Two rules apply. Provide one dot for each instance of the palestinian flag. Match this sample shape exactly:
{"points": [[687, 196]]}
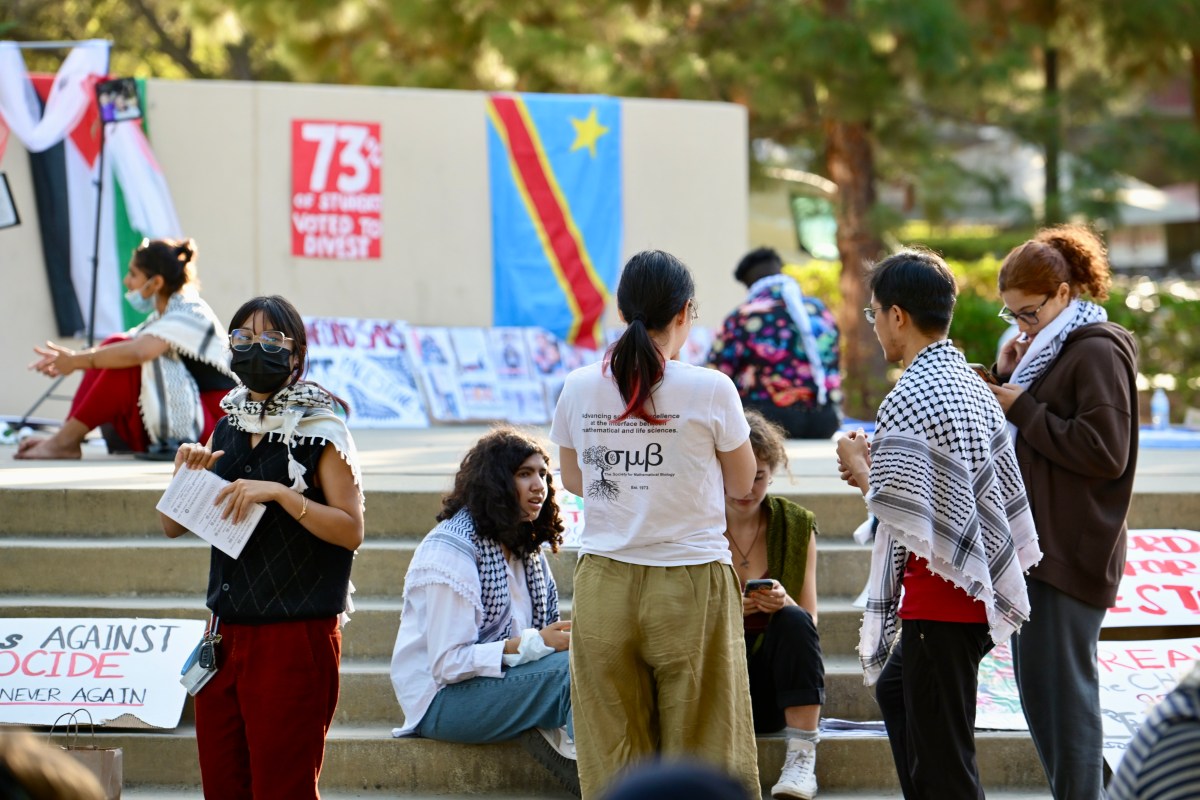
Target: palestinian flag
{"points": [[63, 136]]}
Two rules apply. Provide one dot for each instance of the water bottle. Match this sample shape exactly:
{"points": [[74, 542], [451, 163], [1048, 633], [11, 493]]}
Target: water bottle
{"points": [[1160, 410]]}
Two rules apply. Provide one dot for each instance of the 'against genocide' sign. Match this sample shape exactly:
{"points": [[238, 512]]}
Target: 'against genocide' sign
{"points": [[112, 667]]}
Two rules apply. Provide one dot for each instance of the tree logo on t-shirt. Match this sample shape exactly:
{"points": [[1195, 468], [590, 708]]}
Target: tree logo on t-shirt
{"points": [[602, 488]]}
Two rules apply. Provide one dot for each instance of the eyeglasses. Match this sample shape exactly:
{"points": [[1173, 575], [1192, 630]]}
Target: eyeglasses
{"points": [[240, 339], [870, 312], [1028, 317], [694, 314]]}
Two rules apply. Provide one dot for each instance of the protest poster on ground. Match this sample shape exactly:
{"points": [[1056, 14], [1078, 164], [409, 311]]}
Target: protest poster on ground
{"points": [[1161, 582], [124, 671], [336, 190], [367, 363], [544, 353], [1134, 676], [524, 402], [434, 358], [509, 354], [570, 507], [477, 378]]}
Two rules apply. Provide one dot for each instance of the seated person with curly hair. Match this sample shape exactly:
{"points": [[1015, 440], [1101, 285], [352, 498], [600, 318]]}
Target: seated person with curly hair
{"points": [[481, 655]]}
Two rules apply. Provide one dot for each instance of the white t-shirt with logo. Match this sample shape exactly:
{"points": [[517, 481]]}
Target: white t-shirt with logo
{"points": [[653, 494]]}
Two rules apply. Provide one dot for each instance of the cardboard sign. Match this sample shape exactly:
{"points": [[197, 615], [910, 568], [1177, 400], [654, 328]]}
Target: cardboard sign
{"points": [[336, 195], [1161, 583], [115, 668], [366, 362], [570, 507], [1134, 676]]}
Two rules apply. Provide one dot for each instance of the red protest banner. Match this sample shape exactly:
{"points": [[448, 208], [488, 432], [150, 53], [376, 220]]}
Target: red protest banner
{"points": [[336, 199], [1161, 581]]}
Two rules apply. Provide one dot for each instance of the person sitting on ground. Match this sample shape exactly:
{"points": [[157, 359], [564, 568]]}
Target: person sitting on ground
{"points": [[775, 539], [481, 654], [781, 349], [157, 385]]}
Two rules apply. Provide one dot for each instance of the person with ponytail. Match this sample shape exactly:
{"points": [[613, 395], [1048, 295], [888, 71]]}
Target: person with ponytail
{"points": [[653, 446], [1070, 396], [262, 718], [155, 386]]}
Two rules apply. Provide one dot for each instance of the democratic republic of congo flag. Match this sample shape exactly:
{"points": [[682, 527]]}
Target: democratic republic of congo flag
{"points": [[555, 170]]}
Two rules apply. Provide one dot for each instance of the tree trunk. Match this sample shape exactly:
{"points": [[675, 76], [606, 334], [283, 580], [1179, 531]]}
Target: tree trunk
{"points": [[1195, 48], [850, 163], [1053, 213]]}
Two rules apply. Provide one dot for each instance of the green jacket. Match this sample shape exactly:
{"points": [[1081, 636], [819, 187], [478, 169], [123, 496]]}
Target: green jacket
{"points": [[789, 530]]}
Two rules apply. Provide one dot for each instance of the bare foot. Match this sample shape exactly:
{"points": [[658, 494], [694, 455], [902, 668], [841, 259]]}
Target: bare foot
{"points": [[47, 449], [28, 442]]}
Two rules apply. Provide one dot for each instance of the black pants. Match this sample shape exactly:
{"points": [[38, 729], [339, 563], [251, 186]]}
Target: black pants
{"points": [[785, 668], [800, 422], [927, 695]]}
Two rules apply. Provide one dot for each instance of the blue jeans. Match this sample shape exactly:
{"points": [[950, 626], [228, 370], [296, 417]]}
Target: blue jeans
{"points": [[481, 710]]}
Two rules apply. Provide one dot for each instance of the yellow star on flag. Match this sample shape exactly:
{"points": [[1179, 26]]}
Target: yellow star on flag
{"points": [[587, 131]]}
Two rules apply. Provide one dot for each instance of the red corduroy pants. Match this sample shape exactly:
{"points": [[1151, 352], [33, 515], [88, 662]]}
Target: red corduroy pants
{"points": [[261, 721]]}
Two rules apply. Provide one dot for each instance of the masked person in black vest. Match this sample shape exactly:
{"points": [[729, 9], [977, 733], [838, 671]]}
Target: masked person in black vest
{"points": [[262, 718]]}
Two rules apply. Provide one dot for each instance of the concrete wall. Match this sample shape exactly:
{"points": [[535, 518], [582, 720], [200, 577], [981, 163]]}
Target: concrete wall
{"points": [[225, 148]]}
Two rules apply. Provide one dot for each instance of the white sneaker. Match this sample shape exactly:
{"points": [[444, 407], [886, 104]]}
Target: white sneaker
{"points": [[560, 740], [798, 778]]}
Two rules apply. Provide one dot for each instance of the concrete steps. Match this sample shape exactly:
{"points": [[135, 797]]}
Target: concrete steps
{"points": [[366, 759], [142, 567], [84, 540]]}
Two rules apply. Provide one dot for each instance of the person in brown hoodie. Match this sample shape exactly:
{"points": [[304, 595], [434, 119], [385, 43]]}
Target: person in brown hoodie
{"points": [[1070, 396]]}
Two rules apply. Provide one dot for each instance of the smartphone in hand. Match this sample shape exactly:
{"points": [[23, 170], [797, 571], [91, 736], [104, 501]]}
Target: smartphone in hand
{"points": [[758, 585], [985, 373]]}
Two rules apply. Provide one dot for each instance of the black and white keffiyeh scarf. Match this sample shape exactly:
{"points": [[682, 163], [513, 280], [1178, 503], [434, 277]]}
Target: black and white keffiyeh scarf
{"points": [[1049, 341], [169, 400], [297, 414], [455, 555], [945, 486]]}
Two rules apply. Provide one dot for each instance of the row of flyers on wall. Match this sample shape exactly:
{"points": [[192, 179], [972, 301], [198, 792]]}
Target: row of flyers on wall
{"points": [[395, 375]]}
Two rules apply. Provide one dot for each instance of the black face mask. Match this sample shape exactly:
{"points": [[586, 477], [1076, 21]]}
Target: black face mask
{"points": [[262, 372]]}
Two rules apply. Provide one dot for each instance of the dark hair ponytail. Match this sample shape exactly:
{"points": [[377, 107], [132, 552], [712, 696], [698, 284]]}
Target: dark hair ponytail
{"points": [[655, 286], [170, 258]]}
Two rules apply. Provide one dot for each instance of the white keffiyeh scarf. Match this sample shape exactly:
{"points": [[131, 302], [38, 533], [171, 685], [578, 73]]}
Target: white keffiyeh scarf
{"points": [[793, 299], [169, 400], [297, 414], [945, 486], [1049, 341], [455, 555]]}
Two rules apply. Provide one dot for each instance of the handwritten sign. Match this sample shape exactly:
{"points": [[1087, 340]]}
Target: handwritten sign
{"points": [[1134, 676], [1161, 583], [570, 507], [112, 667], [366, 362], [336, 195]]}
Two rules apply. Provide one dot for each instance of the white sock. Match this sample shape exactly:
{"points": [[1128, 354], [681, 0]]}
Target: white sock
{"points": [[799, 733]]}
